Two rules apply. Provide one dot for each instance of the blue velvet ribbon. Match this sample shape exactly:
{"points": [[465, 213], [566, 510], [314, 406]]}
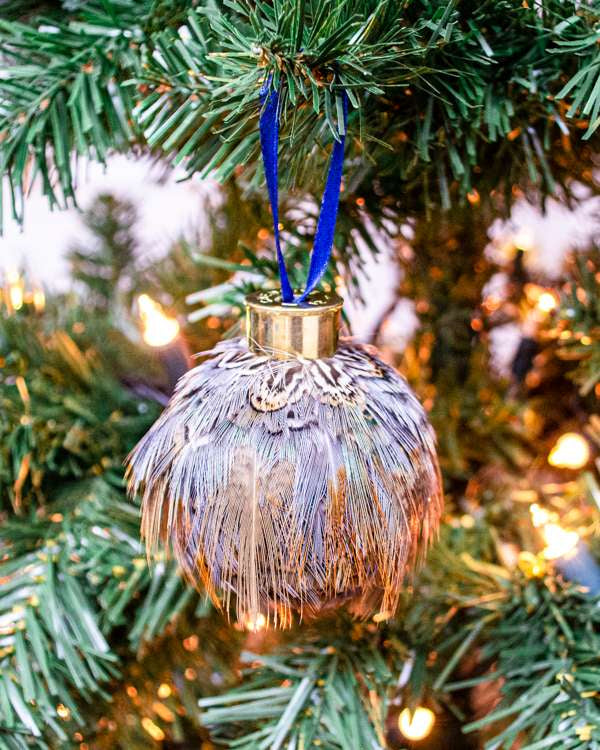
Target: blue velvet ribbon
{"points": [[269, 141]]}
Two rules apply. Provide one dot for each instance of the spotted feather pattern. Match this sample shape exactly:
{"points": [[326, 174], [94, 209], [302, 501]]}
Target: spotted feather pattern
{"points": [[286, 485]]}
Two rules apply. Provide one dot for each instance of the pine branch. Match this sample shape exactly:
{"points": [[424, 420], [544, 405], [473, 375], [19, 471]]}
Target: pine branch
{"points": [[61, 96], [69, 581], [21, 10], [325, 691], [438, 90], [578, 330], [432, 86], [103, 268], [73, 568], [64, 416], [579, 38], [536, 636], [358, 234], [547, 655]]}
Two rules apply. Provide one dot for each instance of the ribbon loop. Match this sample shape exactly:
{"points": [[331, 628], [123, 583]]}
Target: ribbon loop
{"points": [[269, 141]]}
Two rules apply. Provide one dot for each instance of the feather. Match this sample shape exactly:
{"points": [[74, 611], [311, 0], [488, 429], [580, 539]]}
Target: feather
{"points": [[286, 485]]}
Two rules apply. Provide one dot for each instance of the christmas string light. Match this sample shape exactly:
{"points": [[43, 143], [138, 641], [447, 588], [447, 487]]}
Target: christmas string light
{"points": [[571, 451], [162, 333], [568, 554], [254, 623], [164, 690], [546, 302], [417, 724], [63, 712], [14, 291], [163, 712], [158, 329], [153, 729], [17, 296], [541, 300]]}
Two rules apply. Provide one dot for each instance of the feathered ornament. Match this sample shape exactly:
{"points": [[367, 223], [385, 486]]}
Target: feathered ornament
{"points": [[287, 472]]}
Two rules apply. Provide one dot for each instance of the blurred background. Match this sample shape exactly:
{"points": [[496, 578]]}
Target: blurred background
{"points": [[165, 210]]}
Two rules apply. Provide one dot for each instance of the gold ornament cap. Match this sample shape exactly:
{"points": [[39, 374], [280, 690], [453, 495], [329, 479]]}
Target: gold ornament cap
{"points": [[309, 330]]}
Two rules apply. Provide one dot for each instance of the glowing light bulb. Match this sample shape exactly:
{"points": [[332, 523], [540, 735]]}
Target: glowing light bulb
{"points": [[539, 516], [63, 712], [159, 329], [39, 299], [153, 729], [161, 710], [164, 690], [255, 622], [571, 451], [559, 542], [15, 290], [416, 725], [546, 302], [382, 616]]}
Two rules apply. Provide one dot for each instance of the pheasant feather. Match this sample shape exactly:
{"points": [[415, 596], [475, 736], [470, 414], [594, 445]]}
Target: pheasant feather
{"points": [[290, 484]]}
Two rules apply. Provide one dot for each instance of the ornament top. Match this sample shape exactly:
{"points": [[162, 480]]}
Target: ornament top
{"points": [[271, 298], [282, 330]]}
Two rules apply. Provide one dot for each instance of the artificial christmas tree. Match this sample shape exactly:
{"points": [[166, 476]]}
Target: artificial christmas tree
{"points": [[454, 112]]}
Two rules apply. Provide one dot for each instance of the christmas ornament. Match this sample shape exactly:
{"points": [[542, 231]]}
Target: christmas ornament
{"points": [[290, 472], [287, 472]]}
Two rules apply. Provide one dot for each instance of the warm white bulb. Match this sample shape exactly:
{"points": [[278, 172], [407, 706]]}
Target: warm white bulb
{"points": [[159, 330], [39, 299], [571, 451], [540, 516], [416, 725], [255, 622], [15, 289], [546, 302], [164, 690], [559, 543]]}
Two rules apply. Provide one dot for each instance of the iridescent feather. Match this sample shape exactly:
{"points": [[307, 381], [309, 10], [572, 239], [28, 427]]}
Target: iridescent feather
{"points": [[290, 484]]}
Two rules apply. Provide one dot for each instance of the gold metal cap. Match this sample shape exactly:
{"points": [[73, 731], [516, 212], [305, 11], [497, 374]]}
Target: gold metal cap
{"points": [[284, 331]]}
